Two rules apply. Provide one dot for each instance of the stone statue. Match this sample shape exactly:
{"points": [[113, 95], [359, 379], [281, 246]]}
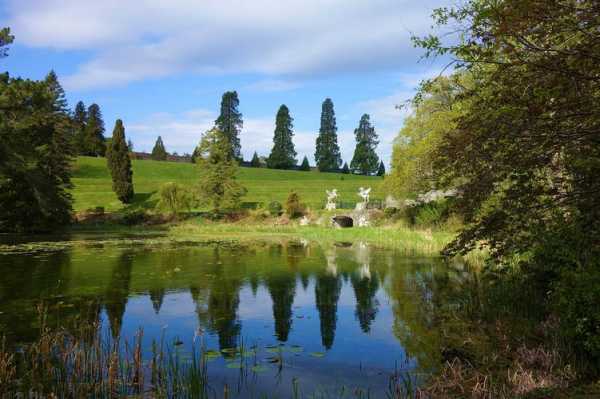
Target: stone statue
{"points": [[364, 194], [331, 198]]}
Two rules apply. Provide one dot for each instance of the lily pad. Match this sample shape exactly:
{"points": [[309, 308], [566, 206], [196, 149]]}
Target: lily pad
{"points": [[296, 349], [317, 354], [259, 369], [234, 365]]}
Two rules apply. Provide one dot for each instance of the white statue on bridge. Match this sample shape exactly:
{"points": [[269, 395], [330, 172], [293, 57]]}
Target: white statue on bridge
{"points": [[364, 194], [331, 198]]}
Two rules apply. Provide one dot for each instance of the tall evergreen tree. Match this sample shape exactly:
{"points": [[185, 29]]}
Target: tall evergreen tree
{"points": [[255, 163], [94, 142], [365, 160], [327, 153], [283, 154], [80, 118], [230, 122], [34, 157], [345, 168], [119, 164], [305, 166], [381, 169], [159, 153], [218, 181], [60, 99]]}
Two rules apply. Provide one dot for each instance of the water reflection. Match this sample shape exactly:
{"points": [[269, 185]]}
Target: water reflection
{"points": [[366, 307]]}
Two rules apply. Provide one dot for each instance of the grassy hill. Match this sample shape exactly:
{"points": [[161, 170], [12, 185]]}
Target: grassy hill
{"points": [[93, 186]]}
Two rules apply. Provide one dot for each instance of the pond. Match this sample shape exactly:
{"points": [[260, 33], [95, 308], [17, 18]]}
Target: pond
{"points": [[318, 317]]}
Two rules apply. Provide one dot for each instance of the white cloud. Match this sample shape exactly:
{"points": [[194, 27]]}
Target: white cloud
{"points": [[136, 40]]}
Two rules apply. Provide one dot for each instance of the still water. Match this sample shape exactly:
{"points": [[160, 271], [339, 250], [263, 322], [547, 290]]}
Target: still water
{"points": [[344, 315]]}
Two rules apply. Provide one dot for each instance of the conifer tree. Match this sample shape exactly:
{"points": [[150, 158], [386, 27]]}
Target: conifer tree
{"points": [[58, 93], [219, 186], [255, 163], [94, 142], [327, 153], [365, 160], [159, 153], [34, 157], [80, 118], [305, 166], [119, 164], [230, 122], [381, 169], [345, 168], [283, 154]]}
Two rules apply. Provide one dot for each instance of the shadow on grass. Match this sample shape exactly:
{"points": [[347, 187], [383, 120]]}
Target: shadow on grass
{"points": [[141, 202]]}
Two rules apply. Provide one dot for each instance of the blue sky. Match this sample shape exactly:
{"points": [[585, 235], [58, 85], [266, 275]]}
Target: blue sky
{"points": [[162, 66]]}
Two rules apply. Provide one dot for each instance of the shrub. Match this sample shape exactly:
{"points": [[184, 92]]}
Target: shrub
{"points": [[174, 198], [577, 302], [293, 207], [275, 208], [133, 217], [391, 212]]}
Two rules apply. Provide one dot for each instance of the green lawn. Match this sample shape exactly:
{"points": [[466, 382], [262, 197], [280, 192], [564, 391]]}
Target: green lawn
{"points": [[93, 186]]}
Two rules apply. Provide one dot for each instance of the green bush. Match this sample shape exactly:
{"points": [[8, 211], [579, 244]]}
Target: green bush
{"points": [[131, 218], [577, 301], [174, 198], [430, 214], [275, 208], [293, 207]]}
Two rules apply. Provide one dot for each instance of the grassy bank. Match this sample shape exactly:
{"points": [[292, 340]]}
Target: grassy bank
{"points": [[93, 186]]}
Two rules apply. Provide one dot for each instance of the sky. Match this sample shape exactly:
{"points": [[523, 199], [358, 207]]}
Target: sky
{"points": [[162, 66]]}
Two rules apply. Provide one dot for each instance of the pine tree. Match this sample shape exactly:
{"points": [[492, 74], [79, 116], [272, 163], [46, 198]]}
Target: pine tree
{"points": [[34, 157], [255, 163], [327, 154], [230, 122], [60, 99], [305, 166], [345, 168], [80, 117], [365, 160], [119, 164], [283, 154], [94, 142], [218, 181], [381, 169], [159, 153]]}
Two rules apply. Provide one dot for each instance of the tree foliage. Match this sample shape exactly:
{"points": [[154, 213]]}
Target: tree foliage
{"points": [[345, 168], [283, 154], [94, 142], [119, 164], [5, 39], [365, 160], [433, 116], [34, 156], [218, 184], [174, 198], [80, 118], [305, 166], [255, 162], [525, 154], [381, 169], [327, 153], [230, 122], [293, 207], [159, 153]]}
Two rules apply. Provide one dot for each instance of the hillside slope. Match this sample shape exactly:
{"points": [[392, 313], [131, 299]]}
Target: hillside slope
{"points": [[93, 187]]}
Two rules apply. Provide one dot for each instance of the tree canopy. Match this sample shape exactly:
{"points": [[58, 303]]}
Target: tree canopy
{"points": [[230, 122], [94, 141], [365, 160], [159, 153], [283, 154], [218, 184], [327, 153], [119, 164]]}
